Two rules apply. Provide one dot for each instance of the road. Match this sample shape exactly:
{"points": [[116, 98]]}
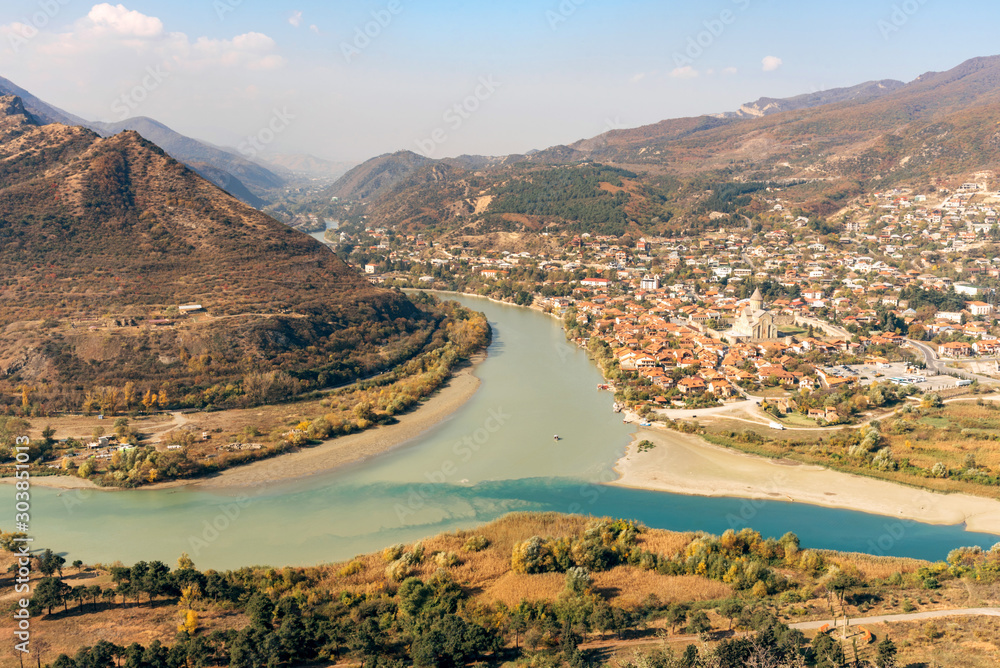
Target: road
{"points": [[678, 413], [935, 364], [913, 616]]}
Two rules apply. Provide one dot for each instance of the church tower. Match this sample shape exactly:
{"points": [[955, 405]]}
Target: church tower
{"points": [[756, 301]]}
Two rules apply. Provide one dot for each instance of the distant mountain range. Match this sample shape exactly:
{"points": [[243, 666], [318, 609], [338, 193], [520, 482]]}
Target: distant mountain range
{"points": [[769, 105], [245, 179], [826, 147], [103, 238]]}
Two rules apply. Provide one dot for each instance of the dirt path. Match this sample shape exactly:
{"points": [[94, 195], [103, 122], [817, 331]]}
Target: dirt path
{"points": [[179, 420], [907, 617]]}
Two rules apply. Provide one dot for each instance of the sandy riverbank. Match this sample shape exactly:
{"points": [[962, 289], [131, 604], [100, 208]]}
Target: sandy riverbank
{"points": [[329, 455], [355, 448], [686, 464]]}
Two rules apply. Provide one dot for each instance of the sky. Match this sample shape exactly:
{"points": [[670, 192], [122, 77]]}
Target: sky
{"points": [[346, 81]]}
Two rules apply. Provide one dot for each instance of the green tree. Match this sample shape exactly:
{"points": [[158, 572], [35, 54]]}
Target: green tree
{"points": [[50, 593], [698, 623], [730, 609], [885, 656], [676, 615]]}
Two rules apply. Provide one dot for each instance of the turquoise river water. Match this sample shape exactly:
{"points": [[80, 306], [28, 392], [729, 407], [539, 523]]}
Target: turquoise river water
{"points": [[493, 456]]}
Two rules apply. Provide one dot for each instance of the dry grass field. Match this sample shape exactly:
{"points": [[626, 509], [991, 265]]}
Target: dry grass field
{"points": [[480, 561], [65, 631]]}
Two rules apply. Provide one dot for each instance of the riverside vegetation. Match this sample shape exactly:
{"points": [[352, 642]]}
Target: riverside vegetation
{"points": [[529, 590], [457, 334]]}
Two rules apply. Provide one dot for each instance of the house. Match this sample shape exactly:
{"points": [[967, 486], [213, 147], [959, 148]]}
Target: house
{"points": [[955, 349], [370, 268], [986, 347], [979, 308], [721, 388], [189, 308], [829, 413], [595, 282], [691, 385], [650, 283]]}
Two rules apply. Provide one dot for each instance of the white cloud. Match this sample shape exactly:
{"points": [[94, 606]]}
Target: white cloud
{"points": [[314, 28], [124, 22], [111, 33], [771, 63], [730, 71], [686, 72], [296, 18]]}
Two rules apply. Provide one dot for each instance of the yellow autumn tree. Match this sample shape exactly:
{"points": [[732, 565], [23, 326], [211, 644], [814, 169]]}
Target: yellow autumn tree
{"points": [[189, 625], [149, 400]]}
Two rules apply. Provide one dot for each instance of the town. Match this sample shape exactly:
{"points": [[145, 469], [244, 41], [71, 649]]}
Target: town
{"points": [[898, 288]]}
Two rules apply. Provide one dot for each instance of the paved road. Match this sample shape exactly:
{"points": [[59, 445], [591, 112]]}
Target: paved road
{"points": [[935, 364], [913, 616]]}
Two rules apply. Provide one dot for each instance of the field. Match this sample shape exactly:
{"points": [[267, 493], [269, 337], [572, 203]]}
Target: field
{"points": [[962, 436], [479, 562], [950, 435]]}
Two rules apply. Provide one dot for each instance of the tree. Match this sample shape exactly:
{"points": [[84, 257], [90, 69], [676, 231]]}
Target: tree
{"points": [[149, 400], [128, 395], [162, 399], [730, 609], [676, 615], [50, 592], [93, 593], [885, 656], [49, 562], [260, 609], [367, 640], [699, 623], [842, 582], [189, 623], [78, 594]]}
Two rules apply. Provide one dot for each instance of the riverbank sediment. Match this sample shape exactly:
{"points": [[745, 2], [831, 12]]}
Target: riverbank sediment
{"points": [[686, 464], [327, 456]]}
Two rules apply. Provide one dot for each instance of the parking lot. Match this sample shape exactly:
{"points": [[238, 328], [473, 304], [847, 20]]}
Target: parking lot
{"points": [[872, 373]]}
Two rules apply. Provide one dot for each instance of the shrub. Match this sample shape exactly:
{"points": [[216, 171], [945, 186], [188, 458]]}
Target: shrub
{"points": [[446, 559], [476, 544], [393, 552], [352, 568]]}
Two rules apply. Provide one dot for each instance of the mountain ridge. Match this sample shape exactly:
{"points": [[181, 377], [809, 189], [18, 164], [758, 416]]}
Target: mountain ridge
{"points": [[230, 171], [102, 238], [870, 135]]}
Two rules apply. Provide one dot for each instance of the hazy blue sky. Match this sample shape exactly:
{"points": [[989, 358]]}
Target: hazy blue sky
{"points": [[525, 73]]}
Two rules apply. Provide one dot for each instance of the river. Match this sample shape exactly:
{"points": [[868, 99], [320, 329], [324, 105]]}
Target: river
{"points": [[493, 456]]}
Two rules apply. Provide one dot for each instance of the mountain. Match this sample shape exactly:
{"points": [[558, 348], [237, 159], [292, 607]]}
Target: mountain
{"points": [[42, 111], [229, 171], [242, 173], [377, 175], [823, 148], [769, 105], [227, 182], [815, 141], [102, 239]]}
